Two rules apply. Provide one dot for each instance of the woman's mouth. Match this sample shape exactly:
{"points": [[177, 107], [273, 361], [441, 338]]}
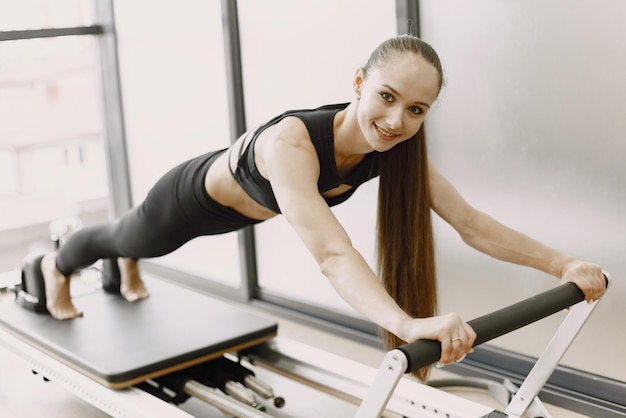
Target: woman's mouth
{"points": [[384, 134]]}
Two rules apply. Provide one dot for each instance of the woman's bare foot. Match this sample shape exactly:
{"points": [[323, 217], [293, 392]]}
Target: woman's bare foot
{"points": [[58, 299], [132, 287]]}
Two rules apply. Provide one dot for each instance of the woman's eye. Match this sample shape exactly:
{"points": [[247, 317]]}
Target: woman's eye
{"points": [[386, 96], [415, 110]]}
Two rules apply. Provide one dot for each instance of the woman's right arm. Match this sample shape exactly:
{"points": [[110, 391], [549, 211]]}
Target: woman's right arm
{"points": [[293, 169]]}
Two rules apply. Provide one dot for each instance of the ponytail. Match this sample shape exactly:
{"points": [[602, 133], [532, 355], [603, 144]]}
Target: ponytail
{"points": [[405, 248]]}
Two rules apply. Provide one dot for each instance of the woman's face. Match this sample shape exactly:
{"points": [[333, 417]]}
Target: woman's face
{"points": [[395, 99]]}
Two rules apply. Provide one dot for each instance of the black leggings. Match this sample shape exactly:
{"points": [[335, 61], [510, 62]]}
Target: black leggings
{"points": [[176, 210]]}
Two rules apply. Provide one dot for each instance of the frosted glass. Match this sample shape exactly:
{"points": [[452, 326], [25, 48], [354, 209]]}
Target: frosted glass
{"points": [[43, 14], [303, 55], [52, 159], [175, 108], [529, 129]]}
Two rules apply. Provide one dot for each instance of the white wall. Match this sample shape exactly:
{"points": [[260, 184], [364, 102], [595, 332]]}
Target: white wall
{"points": [[530, 130]]}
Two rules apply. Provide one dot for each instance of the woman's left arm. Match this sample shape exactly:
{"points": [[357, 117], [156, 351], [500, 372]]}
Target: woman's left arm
{"points": [[488, 236]]}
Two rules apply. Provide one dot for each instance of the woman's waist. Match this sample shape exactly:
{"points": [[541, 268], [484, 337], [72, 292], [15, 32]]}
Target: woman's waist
{"points": [[222, 187]]}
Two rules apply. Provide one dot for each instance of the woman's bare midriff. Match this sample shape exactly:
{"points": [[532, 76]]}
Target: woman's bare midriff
{"points": [[225, 190]]}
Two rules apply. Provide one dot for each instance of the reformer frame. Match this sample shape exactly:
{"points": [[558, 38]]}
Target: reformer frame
{"points": [[388, 394]]}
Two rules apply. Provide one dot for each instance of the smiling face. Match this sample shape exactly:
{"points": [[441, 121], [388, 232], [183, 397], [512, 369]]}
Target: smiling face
{"points": [[395, 97]]}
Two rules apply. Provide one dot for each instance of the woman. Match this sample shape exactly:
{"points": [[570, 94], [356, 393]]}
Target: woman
{"points": [[301, 163]]}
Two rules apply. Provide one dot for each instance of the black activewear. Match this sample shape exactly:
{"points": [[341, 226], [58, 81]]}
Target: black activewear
{"points": [[319, 124], [178, 208]]}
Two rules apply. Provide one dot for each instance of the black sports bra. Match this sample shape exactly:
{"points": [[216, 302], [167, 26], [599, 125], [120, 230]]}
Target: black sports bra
{"points": [[319, 124]]}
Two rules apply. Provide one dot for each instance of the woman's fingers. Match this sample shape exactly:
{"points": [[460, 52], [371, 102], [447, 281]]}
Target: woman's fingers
{"points": [[588, 277], [456, 338], [455, 335]]}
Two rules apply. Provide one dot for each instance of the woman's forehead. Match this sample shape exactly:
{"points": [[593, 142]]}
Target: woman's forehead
{"points": [[409, 73]]}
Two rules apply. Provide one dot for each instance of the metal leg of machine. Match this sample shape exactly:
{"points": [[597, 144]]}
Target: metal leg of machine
{"points": [[525, 398]]}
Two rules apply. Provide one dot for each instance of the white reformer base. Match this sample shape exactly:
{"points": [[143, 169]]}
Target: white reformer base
{"points": [[333, 374], [350, 380], [124, 403]]}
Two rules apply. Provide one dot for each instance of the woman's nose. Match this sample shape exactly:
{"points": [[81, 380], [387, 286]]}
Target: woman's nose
{"points": [[394, 120]]}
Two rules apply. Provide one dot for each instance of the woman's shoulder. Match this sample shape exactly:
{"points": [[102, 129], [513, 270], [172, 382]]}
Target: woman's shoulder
{"points": [[288, 128], [302, 126], [311, 116]]}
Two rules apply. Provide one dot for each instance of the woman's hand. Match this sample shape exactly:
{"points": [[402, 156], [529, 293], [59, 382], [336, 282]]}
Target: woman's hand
{"points": [[587, 276], [454, 334]]}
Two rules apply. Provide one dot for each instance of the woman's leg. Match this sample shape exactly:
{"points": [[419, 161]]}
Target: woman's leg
{"points": [[176, 210], [155, 228], [87, 246], [132, 287], [58, 301]]}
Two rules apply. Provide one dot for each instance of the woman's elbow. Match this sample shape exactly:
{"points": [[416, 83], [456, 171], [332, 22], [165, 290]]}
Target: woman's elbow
{"points": [[333, 260], [328, 262], [469, 227]]}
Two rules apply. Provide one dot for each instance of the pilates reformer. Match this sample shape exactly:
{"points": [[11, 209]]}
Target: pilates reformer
{"points": [[128, 348], [179, 344], [387, 394]]}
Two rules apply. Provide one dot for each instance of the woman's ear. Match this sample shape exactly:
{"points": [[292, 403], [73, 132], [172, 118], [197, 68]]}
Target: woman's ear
{"points": [[357, 81]]}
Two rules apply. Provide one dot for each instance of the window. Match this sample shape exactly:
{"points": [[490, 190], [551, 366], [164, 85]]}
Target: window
{"points": [[175, 108], [44, 14], [52, 160], [305, 61]]}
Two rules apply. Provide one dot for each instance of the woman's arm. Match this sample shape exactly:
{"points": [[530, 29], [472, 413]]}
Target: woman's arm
{"points": [[485, 234], [293, 169]]}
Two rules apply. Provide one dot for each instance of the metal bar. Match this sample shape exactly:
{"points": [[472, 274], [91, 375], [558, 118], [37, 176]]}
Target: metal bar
{"points": [[15, 35], [237, 115], [575, 390], [389, 375], [234, 79], [550, 358], [112, 111], [425, 352], [407, 17], [221, 401], [350, 381]]}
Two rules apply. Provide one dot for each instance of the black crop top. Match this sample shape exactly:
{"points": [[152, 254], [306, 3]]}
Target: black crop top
{"points": [[319, 124]]}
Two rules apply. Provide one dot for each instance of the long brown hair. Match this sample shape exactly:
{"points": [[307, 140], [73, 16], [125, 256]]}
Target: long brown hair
{"points": [[405, 248]]}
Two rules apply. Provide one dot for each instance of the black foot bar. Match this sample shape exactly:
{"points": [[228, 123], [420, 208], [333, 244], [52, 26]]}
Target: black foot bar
{"points": [[421, 353]]}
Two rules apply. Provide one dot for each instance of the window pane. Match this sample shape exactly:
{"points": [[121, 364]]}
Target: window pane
{"points": [[290, 62], [38, 14], [52, 161], [529, 130], [175, 108]]}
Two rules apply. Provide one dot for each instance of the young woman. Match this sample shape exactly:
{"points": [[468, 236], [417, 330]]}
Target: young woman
{"points": [[301, 163]]}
